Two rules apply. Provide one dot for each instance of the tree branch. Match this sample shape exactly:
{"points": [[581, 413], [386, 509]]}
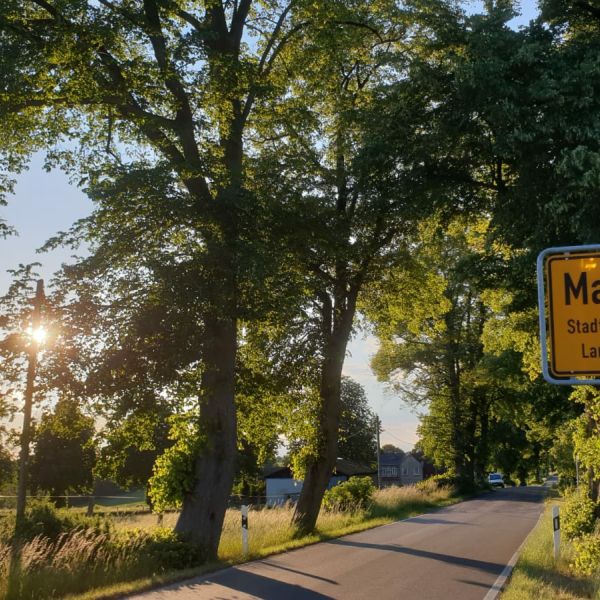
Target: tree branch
{"points": [[215, 21], [273, 37], [49, 8], [132, 109], [361, 25], [266, 61], [184, 117], [125, 103], [191, 20], [131, 17], [239, 19]]}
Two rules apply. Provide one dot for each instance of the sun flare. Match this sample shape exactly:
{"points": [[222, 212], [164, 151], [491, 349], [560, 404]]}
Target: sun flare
{"points": [[38, 335]]}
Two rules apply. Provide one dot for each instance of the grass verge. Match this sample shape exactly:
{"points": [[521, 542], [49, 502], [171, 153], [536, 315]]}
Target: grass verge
{"points": [[536, 576]]}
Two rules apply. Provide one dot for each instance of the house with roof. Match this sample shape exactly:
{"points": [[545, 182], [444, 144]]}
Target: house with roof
{"points": [[281, 487], [399, 469]]}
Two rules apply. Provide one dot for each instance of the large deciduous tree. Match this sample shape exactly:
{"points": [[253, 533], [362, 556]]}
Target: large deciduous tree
{"points": [[357, 436], [537, 113], [528, 153], [160, 95], [434, 356], [357, 197]]}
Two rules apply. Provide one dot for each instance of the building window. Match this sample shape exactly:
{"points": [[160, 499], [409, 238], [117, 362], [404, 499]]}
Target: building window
{"points": [[417, 471], [389, 472], [404, 471]]}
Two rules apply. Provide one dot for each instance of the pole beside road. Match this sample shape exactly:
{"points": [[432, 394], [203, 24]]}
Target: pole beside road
{"points": [[556, 531], [32, 358], [378, 427], [244, 511]]}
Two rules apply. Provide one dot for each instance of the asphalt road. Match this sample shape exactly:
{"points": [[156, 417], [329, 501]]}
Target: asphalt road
{"points": [[454, 553]]}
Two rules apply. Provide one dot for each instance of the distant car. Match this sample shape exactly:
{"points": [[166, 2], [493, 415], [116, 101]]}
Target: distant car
{"points": [[495, 480]]}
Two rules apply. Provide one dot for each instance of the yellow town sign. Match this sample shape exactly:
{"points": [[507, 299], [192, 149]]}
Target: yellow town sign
{"points": [[571, 332]]}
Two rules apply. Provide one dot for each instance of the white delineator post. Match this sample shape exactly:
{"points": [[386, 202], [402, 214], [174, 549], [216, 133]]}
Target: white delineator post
{"points": [[378, 427], [245, 529], [556, 528]]}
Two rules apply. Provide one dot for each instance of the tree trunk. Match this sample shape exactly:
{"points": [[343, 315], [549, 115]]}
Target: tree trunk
{"points": [[319, 470], [470, 440], [484, 447], [456, 420], [203, 511]]}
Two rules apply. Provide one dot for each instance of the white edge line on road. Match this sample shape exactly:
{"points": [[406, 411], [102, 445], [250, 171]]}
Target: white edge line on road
{"points": [[499, 584]]}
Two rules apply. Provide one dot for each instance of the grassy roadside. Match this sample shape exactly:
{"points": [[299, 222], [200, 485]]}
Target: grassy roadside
{"points": [[537, 577], [270, 533]]}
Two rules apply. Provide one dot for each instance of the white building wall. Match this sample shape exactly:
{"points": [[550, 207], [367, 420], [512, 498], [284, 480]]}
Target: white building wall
{"points": [[279, 491], [411, 470]]}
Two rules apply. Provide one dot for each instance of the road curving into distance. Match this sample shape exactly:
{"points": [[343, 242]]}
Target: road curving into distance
{"points": [[458, 552]]}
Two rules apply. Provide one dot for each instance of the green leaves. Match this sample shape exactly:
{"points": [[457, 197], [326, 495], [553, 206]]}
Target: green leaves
{"points": [[64, 451], [174, 475]]}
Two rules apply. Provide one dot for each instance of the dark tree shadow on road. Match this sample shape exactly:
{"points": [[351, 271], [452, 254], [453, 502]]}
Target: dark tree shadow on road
{"points": [[276, 566], [488, 567], [433, 521], [534, 493], [246, 582]]}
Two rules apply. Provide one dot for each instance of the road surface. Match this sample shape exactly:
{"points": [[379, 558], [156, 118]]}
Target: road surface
{"points": [[455, 553]]}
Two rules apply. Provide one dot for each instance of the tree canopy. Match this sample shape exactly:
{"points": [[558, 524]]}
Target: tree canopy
{"points": [[64, 452]]}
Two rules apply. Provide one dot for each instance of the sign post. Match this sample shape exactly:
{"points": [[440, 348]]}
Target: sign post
{"points": [[556, 529], [245, 529], [569, 289]]}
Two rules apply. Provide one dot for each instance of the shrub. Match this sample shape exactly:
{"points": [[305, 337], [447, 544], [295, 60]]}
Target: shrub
{"points": [[43, 519], [163, 548], [173, 472], [566, 485], [436, 482], [352, 495], [587, 555], [578, 515]]}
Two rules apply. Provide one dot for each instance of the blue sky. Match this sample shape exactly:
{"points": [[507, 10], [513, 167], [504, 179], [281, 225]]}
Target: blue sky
{"points": [[45, 203]]}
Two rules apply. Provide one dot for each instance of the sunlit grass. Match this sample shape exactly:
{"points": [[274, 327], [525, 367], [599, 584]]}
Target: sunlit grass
{"points": [[270, 529], [537, 577]]}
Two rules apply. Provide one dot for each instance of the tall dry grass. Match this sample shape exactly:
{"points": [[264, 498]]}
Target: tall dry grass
{"points": [[85, 559], [43, 568], [396, 499], [268, 528]]}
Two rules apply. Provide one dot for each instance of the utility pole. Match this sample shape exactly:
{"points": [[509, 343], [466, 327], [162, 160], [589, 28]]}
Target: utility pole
{"points": [[378, 427], [32, 356]]}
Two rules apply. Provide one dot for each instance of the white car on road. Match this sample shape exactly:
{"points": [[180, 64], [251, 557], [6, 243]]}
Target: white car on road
{"points": [[495, 480]]}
